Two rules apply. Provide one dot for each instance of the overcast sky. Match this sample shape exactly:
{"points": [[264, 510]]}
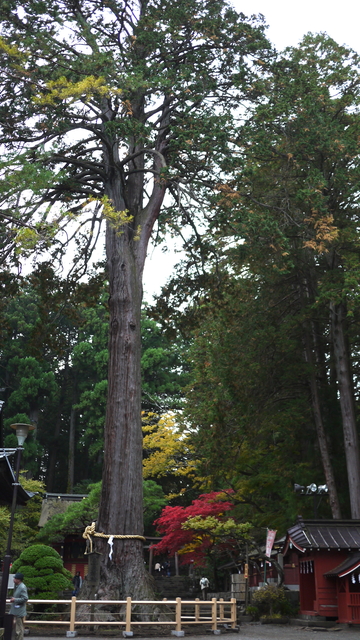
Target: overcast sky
{"points": [[287, 23]]}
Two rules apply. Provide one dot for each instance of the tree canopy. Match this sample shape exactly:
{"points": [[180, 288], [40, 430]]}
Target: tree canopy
{"points": [[273, 312]]}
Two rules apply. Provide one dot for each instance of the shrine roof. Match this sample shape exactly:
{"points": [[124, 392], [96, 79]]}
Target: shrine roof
{"points": [[347, 566], [7, 480], [324, 534]]}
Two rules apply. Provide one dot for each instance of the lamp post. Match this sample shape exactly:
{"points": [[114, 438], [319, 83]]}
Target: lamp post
{"points": [[22, 431], [312, 490]]}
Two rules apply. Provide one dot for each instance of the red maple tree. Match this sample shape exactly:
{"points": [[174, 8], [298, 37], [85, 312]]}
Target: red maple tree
{"points": [[192, 546]]}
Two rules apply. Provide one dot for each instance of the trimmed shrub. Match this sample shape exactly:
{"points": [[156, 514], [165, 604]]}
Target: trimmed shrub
{"points": [[44, 573], [49, 562]]}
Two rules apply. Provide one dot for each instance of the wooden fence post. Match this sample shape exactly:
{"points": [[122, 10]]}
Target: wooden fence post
{"points": [[197, 610], [221, 610], [72, 614], [178, 614], [233, 613], [128, 631], [213, 614], [178, 631]]}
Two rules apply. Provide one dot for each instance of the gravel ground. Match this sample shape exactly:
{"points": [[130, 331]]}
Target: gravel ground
{"points": [[253, 631]]}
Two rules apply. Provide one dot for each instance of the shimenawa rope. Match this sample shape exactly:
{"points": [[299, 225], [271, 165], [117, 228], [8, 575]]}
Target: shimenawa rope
{"points": [[90, 532]]}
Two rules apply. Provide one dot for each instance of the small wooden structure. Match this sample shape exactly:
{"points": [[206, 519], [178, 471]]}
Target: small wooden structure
{"points": [[327, 564], [72, 547]]}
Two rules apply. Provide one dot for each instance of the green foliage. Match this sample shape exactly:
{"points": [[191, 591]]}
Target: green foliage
{"points": [[285, 235], [48, 320], [154, 501], [253, 611], [43, 571], [40, 328], [74, 520], [26, 518], [79, 514], [49, 563], [249, 405], [220, 530], [166, 57], [163, 366], [270, 600], [4, 517], [35, 552]]}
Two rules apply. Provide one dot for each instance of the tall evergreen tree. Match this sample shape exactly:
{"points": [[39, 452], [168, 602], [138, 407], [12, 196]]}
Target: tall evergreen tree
{"points": [[118, 103], [286, 228], [296, 193]]}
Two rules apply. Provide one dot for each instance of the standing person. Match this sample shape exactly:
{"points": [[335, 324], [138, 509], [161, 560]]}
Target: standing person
{"points": [[18, 605], [204, 585], [77, 582]]}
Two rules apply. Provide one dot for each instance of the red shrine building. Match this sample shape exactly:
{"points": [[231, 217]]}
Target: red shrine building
{"points": [[323, 557]]}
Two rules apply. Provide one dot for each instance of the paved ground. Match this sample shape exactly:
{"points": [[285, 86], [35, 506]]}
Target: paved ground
{"points": [[252, 631]]}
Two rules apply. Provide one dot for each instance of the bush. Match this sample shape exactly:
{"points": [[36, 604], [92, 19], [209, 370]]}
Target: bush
{"points": [[49, 562], [253, 612], [271, 600], [44, 573], [36, 551]]}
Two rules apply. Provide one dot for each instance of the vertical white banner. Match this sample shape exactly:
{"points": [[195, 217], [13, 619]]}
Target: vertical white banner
{"points": [[270, 539]]}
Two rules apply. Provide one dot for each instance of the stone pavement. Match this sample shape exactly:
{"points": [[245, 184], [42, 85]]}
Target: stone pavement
{"points": [[248, 631]]}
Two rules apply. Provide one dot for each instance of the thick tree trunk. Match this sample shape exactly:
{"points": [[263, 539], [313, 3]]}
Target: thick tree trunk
{"points": [[121, 510], [54, 450], [54, 446], [314, 357], [122, 572], [71, 457], [346, 394], [320, 432]]}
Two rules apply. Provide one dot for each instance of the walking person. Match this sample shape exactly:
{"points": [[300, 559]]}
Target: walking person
{"points": [[204, 585], [77, 582], [18, 605]]}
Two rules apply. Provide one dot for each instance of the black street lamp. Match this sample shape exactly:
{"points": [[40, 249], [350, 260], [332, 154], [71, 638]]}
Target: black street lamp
{"points": [[22, 431], [312, 490]]}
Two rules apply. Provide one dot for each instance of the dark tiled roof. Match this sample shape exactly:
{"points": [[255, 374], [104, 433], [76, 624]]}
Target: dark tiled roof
{"points": [[326, 534], [7, 478], [347, 566]]}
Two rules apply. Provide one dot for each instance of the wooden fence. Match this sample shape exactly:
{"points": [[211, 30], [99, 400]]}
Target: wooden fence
{"points": [[174, 613]]}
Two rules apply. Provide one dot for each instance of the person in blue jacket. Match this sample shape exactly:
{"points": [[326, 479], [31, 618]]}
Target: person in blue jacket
{"points": [[18, 605]]}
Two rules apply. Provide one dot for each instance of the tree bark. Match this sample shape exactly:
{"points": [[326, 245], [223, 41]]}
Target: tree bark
{"points": [[124, 574], [54, 445], [121, 506], [346, 394], [314, 357], [71, 457], [320, 432]]}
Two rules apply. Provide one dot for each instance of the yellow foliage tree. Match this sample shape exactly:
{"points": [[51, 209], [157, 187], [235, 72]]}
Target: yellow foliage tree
{"points": [[167, 449]]}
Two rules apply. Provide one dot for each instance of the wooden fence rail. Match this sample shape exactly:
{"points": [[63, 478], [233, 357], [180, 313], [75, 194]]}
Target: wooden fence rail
{"points": [[175, 613]]}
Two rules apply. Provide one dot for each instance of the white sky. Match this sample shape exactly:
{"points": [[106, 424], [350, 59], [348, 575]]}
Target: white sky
{"points": [[288, 22]]}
